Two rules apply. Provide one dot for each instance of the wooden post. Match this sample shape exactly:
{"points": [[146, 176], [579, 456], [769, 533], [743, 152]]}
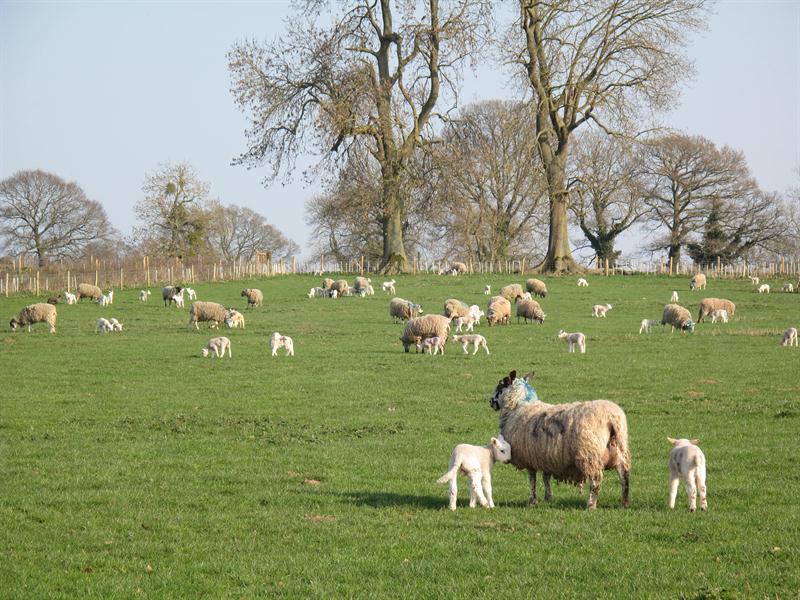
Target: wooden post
{"points": [[606, 267], [670, 266], [663, 261], [783, 265], [96, 277], [6, 284], [522, 267], [120, 278], [294, 265], [68, 288]]}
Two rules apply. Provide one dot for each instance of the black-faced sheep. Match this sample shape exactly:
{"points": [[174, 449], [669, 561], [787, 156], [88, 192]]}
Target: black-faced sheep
{"points": [[40, 312], [498, 311], [206, 311], [709, 305], [530, 310], [536, 287], [254, 297], [677, 317], [170, 294], [87, 290], [361, 285], [422, 328]]}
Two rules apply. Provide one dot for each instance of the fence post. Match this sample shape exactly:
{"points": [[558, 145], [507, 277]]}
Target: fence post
{"points": [[68, 288], [6, 284], [121, 286]]}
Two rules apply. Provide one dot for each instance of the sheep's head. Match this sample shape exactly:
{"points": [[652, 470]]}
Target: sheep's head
{"points": [[497, 399], [14, 324], [688, 326], [501, 449], [205, 352]]}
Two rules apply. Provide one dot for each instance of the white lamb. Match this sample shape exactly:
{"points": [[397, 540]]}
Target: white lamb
{"points": [[103, 325], [218, 345], [476, 313], [178, 299], [234, 319], [388, 286], [143, 294], [719, 313], [477, 341], [433, 345], [278, 341], [687, 462], [572, 339], [789, 337], [115, 325], [527, 296], [192, 293], [334, 293], [70, 298], [468, 322], [316, 292], [763, 288], [106, 299], [754, 280], [674, 298], [487, 290], [647, 325], [582, 282], [788, 287], [476, 463], [600, 310]]}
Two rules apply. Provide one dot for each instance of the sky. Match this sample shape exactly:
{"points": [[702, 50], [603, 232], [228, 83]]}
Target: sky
{"points": [[101, 93]]}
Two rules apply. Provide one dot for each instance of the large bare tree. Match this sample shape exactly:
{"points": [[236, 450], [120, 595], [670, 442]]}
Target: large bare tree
{"points": [[601, 61], [42, 213], [372, 79]]}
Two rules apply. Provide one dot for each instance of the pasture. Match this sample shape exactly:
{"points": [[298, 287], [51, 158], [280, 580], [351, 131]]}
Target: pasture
{"points": [[133, 467]]}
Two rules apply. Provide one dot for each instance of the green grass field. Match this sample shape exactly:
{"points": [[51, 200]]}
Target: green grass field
{"points": [[130, 466]]}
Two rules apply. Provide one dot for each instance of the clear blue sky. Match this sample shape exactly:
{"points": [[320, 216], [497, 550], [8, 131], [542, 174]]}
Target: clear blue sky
{"points": [[101, 93]]}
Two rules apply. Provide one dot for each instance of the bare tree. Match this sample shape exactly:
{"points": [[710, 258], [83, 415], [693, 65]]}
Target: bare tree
{"points": [[372, 79], [600, 61], [42, 213], [237, 233]]}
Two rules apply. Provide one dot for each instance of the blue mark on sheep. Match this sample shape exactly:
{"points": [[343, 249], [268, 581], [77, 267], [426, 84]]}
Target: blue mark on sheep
{"points": [[530, 393]]}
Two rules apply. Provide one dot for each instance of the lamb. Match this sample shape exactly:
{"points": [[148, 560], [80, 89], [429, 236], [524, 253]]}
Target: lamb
{"points": [[361, 285], [476, 313], [511, 292], [254, 297], [789, 337], [647, 324], [143, 295], [571, 442], [719, 313], [709, 305], [115, 325], [477, 341], [600, 310], [455, 308], [674, 298], [487, 290], [763, 288], [206, 311], [333, 294], [434, 345], [278, 341], [476, 463], [572, 339], [498, 311], [192, 294], [687, 462], [234, 319], [87, 290], [218, 345], [698, 282], [788, 287], [403, 310], [169, 293], [754, 280], [342, 287], [105, 299], [536, 287], [41, 312], [421, 328], [316, 292], [388, 286], [178, 300], [677, 317], [103, 325], [582, 282], [530, 309], [70, 298], [468, 322]]}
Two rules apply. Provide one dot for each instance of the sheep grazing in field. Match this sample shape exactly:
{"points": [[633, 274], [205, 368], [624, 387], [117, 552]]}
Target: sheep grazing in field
{"points": [[234, 319], [698, 282], [41, 312], [144, 295], [763, 288], [361, 286], [647, 325], [87, 290], [316, 292], [475, 462], [341, 287], [530, 310], [582, 282], [476, 313], [674, 298], [403, 310], [477, 341], [536, 287], [115, 325], [419, 329], [755, 280], [278, 341], [600, 310], [206, 311], [218, 345], [105, 299], [688, 463], [572, 340], [434, 345], [70, 298], [388, 286], [677, 317], [709, 305], [169, 293], [719, 314], [458, 268], [498, 311], [254, 297], [487, 290], [788, 287], [54, 300], [327, 283], [789, 337], [333, 293], [571, 442], [103, 326], [512, 292], [455, 308]]}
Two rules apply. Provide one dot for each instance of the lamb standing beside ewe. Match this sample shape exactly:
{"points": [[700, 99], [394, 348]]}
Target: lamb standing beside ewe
{"points": [[421, 328], [698, 282], [536, 287], [688, 463], [476, 463], [70, 298], [789, 337], [206, 311], [788, 287], [498, 311], [218, 345], [677, 317], [572, 339], [647, 324], [41, 312], [754, 280], [582, 282], [477, 341], [102, 326], [719, 313], [254, 297], [530, 310], [434, 345], [600, 310], [192, 294], [87, 290], [709, 305], [469, 322], [476, 313], [278, 341]]}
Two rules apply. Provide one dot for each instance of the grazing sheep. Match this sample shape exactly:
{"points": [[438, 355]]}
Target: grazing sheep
{"points": [[719, 313], [647, 324], [403, 310], [572, 339], [103, 326], [316, 292], [191, 293], [687, 462], [530, 310], [218, 345], [788, 287], [536, 287], [789, 337], [476, 313], [333, 293], [327, 283], [169, 293], [70, 298], [487, 290], [234, 319], [361, 285], [511, 292], [498, 311], [754, 280], [254, 297], [709, 305], [104, 300], [763, 288], [677, 317], [698, 282], [458, 268], [674, 298], [115, 325], [87, 290], [600, 310], [388, 286], [54, 300], [342, 287], [434, 345], [421, 328], [571, 442], [475, 462], [144, 294], [477, 341], [455, 308], [582, 282], [41, 312], [278, 341], [206, 311]]}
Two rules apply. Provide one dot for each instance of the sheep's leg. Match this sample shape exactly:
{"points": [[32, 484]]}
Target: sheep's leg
{"points": [[532, 479], [476, 346], [594, 490], [701, 486], [548, 492], [464, 348], [453, 496], [486, 347], [624, 479], [476, 491], [487, 486], [674, 482], [691, 490]]}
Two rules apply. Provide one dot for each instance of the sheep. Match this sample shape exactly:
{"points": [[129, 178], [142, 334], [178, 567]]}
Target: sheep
{"points": [[206, 311], [218, 345], [477, 341], [536, 287], [674, 298], [582, 282], [421, 328], [709, 305], [512, 291], [169, 293], [468, 322], [754, 280], [87, 290], [278, 341], [54, 300], [434, 345], [342, 287], [476, 313], [327, 284], [526, 296], [698, 282], [115, 325], [388, 286], [143, 295], [600, 310], [719, 313], [403, 310], [191, 293], [788, 287], [572, 339], [178, 300], [530, 309], [677, 316], [687, 462], [41, 312], [333, 294], [370, 291], [103, 325], [361, 285], [789, 337], [571, 442], [316, 292], [234, 319], [498, 311], [455, 308], [70, 298], [763, 288], [487, 290], [475, 462], [647, 324], [458, 268], [104, 300], [254, 297]]}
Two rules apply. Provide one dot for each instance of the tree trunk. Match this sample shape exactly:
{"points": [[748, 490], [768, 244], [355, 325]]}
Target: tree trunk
{"points": [[394, 258], [559, 256]]}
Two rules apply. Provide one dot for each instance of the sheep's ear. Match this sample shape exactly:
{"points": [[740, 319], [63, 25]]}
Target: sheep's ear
{"points": [[695, 441], [495, 443], [671, 440], [529, 376], [512, 376]]}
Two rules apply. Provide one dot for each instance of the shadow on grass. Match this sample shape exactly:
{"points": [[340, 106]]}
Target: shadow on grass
{"points": [[391, 499]]}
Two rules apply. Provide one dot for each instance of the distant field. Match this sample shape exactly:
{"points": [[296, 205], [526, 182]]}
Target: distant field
{"points": [[130, 466]]}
